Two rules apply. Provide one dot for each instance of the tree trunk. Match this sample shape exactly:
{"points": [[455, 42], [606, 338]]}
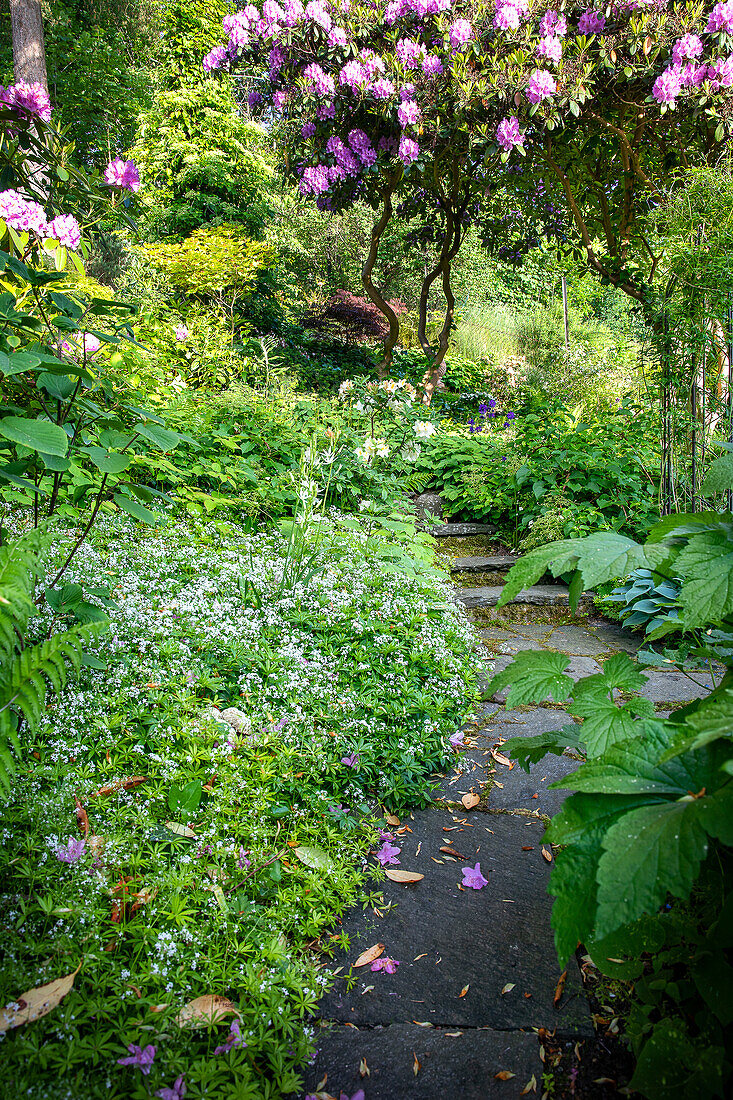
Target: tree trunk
{"points": [[29, 52], [373, 292]]}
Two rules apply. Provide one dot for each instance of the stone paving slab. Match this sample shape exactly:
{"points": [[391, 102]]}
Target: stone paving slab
{"points": [[492, 563], [453, 1064], [676, 687], [463, 530], [615, 636], [539, 595], [447, 937], [579, 641]]}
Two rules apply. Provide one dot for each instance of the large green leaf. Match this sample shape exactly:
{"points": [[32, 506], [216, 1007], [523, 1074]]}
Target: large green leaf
{"points": [[163, 438], [532, 676], [706, 567], [598, 558], [720, 475], [673, 1066], [18, 362], [135, 509], [108, 462], [58, 386], [605, 723], [649, 853], [573, 885], [314, 857], [38, 435], [635, 767], [529, 750]]}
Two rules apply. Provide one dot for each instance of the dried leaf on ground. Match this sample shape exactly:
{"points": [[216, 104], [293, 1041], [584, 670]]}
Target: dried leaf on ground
{"points": [[415, 1064], [81, 817], [364, 1068], [504, 1075], [37, 1002], [464, 991], [392, 819], [547, 853], [471, 800], [396, 875], [559, 988], [501, 759], [207, 1009], [370, 954], [531, 1086], [507, 988], [452, 852], [121, 785]]}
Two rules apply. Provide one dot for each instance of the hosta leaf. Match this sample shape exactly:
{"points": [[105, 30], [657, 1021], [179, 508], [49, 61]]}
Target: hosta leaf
{"points": [[706, 566], [532, 676], [649, 853]]}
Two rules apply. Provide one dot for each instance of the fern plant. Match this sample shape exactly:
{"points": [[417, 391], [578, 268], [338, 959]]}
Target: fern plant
{"points": [[28, 670]]}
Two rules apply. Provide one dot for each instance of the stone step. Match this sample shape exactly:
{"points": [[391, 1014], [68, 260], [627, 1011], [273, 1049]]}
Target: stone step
{"points": [[493, 563], [450, 1062], [539, 595], [461, 530], [447, 938]]}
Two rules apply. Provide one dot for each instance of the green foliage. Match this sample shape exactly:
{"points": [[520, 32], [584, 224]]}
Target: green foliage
{"points": [[649, 602], [646, 838], [26, 669], [252, 841], [222, 264]]}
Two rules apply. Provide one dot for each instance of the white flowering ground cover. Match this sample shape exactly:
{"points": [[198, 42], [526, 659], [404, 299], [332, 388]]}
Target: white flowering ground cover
{"points": [[164, 855]]}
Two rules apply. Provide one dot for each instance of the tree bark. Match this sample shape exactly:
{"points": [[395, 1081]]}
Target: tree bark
{"points": [[29, 51], [373, 292]]}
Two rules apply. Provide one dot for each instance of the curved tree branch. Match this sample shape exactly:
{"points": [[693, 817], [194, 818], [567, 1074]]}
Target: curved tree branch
{"points": [[373, 292]]}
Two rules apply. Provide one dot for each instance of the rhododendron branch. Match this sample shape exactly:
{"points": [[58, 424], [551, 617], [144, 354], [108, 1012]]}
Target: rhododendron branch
{"points": [[372, 291]]}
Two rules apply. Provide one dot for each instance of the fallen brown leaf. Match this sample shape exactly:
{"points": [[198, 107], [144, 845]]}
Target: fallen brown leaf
{"points": [[37, 1002], [504, 1075], [392, 819], [559, 988], [531, 1086], [370, 954], [452, 852], [527, 847], [415, 1064], [423, 1023], [82, 819], [397, 875], [501, 759], [464, 991], [547, 853], [121, 785], [424, 955], [207, 1009], [452, 1034], [507, 988], [364, 1068], [471, 800]]}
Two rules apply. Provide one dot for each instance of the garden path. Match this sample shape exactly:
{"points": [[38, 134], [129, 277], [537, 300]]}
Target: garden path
{"points": [[478, 975]]}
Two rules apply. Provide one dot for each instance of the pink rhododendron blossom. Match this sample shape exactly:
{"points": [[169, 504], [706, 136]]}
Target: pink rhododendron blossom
{"points": [[382, 89], [254, 99], [22, 214], [389, 966], [387, 854], [181, 333], [318, 13], [325, 111], [409, 52], [122, 173], [667, 86], [71, 851], [508, 134], [541, 86], [432, 65], [30, 100], [408, 150], [692, 75], [362, 146], [314, 180], [177, 1092], [143, 1059], [550, 47], [373, 64], [553, 24], [234, 1039], [457, 739], [215, 58], [407, 91], [337, 37], [459, 33], [354, 76], [720, 73], [324, 84], [721, 18], [687, 48], [507, 18], [473, 878], [591, 22], [408, 113], [65, 229]]}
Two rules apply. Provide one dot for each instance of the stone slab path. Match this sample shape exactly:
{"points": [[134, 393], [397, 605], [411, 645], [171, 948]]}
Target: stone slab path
{"points": [[478, 974]]}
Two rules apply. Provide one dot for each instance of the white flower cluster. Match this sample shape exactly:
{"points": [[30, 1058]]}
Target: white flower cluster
{"points": [[372, 448]]}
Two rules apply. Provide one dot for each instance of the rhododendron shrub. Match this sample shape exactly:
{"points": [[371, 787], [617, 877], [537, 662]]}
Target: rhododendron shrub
{"points": [[426, 100]]}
